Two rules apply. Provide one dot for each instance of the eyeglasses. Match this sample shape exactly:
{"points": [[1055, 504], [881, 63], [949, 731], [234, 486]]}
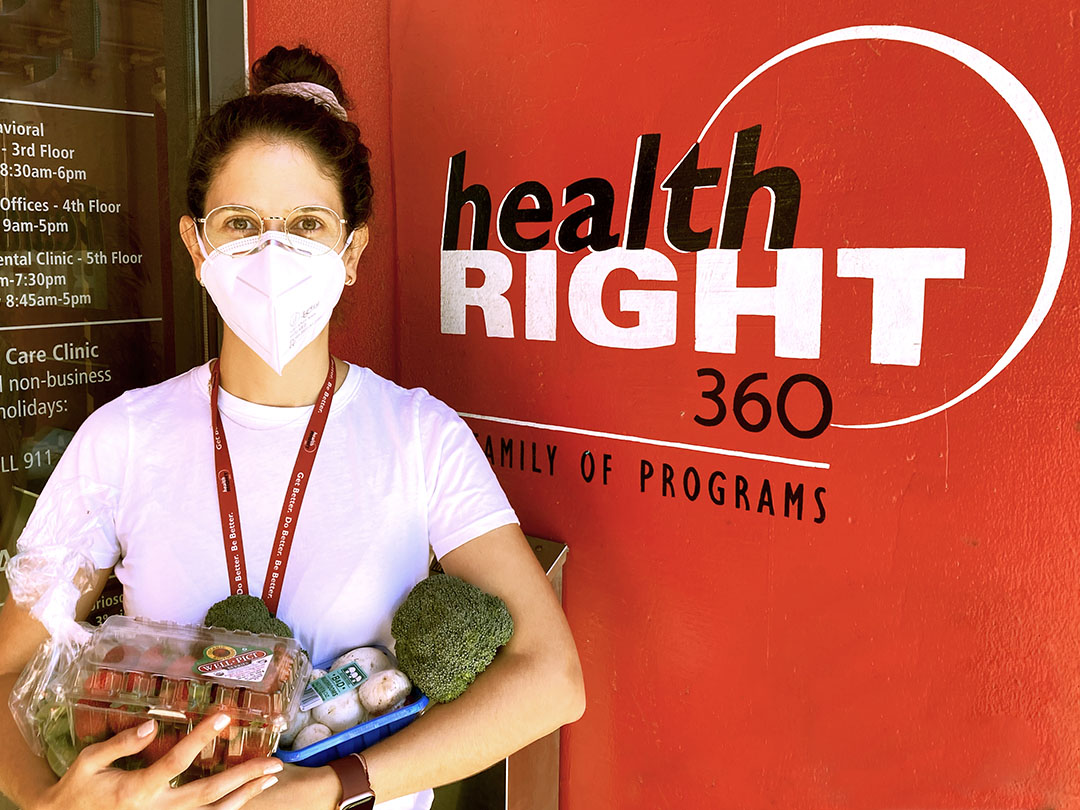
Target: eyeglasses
{"points": [[236, 230]]}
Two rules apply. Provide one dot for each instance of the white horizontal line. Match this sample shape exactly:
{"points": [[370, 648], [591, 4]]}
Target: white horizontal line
{"points": [[74, 107], [75, 323], [717, 451]]}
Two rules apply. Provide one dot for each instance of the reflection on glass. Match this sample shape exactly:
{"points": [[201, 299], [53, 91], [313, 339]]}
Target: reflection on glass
{"points": [[84, 226]]}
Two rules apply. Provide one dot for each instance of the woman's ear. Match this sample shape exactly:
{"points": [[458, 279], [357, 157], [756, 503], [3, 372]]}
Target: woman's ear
{"points": [[352, 254], [189, 235]]}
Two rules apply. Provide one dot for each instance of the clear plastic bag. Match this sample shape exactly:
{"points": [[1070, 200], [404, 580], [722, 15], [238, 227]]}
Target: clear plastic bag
{"points": [[48, 575], [37, 701]]}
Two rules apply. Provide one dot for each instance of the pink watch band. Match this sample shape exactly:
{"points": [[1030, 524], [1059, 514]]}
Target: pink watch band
{"points": [[356, 789]]}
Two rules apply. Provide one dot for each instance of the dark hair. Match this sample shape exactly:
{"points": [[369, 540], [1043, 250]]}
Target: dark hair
{"points": [[334, 143]]}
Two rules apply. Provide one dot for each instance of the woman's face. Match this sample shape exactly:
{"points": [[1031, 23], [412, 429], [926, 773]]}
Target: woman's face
{"points": [[273, 177]]}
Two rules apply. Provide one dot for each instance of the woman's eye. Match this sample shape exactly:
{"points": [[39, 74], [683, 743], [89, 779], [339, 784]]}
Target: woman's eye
{"points": [[309, 224], [240, 224]]}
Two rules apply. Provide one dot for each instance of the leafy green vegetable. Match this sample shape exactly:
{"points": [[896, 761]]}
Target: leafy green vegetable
{"points": [[60, 751]]}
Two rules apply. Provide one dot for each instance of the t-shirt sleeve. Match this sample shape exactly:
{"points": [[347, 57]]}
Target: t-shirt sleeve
{"points": [[79, 502], [464, 496]]}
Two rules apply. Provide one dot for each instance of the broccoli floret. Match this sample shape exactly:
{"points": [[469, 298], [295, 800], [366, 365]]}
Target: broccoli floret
{"points": [[447, 632], [278, 628], [239, 612], [245, 612]]}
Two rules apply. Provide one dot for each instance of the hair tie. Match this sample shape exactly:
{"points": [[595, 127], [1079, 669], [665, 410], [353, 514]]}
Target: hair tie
{"points": [[323, 96]]}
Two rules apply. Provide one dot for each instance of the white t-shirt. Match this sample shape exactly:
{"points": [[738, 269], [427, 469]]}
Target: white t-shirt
{"points": [[398, 476]]}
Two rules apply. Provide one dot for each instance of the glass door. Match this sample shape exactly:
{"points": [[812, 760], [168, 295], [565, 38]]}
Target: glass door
{"points": [[98, 103]]}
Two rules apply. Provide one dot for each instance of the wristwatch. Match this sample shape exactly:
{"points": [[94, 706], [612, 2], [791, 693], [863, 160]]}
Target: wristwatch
{"points": [[356, 792]]}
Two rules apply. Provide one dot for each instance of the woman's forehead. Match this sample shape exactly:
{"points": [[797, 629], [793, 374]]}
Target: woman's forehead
{"points": [[273, 177]]}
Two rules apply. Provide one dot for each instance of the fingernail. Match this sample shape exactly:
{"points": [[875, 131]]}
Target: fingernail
{"points": [[273, 767], [146, 729], [221, 722], [269, 781]]}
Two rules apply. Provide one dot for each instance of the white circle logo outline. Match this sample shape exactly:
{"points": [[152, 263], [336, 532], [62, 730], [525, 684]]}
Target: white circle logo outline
{"points": [[1031, 117]]}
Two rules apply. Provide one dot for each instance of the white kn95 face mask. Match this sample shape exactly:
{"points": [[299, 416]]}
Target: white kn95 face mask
{"points": [[275, 299]]}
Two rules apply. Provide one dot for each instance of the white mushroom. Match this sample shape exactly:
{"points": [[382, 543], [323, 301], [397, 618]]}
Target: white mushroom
{"points": [[341, 713], [384, 691], [369, 659], [309, 735], [298, 722]]}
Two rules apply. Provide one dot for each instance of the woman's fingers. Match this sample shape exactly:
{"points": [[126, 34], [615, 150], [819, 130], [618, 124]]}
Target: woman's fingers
{"points": [[103, 754], [183, 753], [234, 786], [228, 790], [239, 798]]}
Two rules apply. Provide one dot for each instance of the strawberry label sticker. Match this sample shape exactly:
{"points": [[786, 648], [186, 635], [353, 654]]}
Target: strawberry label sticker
{"points": [[247, 664]]}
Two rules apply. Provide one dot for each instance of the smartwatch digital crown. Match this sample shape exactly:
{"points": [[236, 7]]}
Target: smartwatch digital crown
{"points": [[356, 792]]}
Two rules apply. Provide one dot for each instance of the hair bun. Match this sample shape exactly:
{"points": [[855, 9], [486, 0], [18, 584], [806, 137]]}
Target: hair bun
{"points": [[283, 65]]}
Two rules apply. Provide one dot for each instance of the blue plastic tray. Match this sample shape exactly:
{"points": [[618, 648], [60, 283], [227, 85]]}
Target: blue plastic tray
{"points": [[357, 738]]}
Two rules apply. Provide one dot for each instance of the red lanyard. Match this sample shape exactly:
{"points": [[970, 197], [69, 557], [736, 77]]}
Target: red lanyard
{"points": [[294, 495]]}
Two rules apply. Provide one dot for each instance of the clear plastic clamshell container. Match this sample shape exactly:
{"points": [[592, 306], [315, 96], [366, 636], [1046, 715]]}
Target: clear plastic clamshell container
{"points": [[134, 669]]}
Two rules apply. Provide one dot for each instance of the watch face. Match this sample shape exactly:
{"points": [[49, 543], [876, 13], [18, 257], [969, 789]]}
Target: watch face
{"points": [[359, 804]]}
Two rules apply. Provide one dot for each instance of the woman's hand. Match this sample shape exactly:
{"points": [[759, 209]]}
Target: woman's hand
{"points": [[92, 783]]}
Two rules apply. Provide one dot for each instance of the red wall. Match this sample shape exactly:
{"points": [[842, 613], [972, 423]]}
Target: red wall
{"points": [[917, 646], [364, 330]]}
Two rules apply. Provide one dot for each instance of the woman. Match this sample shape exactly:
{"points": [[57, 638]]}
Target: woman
{"points": [[279, 192]]}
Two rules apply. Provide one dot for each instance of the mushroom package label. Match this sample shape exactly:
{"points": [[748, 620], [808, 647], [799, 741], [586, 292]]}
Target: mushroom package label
{"points": [[334, 683]]}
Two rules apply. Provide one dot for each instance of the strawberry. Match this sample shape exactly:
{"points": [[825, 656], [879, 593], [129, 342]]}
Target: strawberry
{"points": [[284, 665], [225, 698], [182, 666], [153, 660], [100, 682], [136, 683], [283, 673], [118, 654], [200, 694], [259, 741], [244, 756], [166, 738], [212, 757], [244, 744], [258, 702], [89, 721], [178, 695], [156, 684], [123, 717]]}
